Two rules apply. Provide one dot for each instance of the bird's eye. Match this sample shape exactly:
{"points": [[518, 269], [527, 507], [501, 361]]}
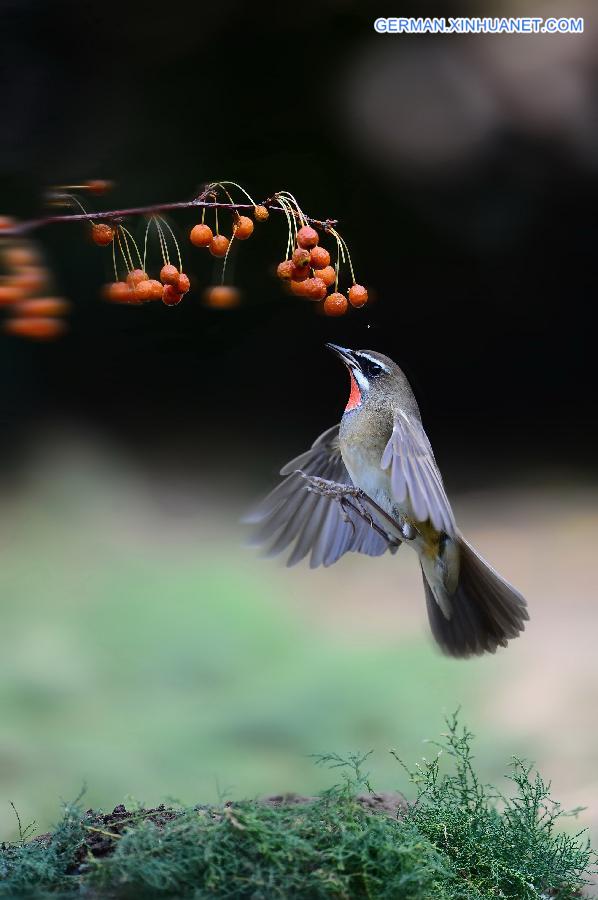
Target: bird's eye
{"points": [[370, 368]]}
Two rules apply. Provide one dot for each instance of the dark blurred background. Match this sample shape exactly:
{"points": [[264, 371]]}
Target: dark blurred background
{"points": [[463, 170], [464, 173]]}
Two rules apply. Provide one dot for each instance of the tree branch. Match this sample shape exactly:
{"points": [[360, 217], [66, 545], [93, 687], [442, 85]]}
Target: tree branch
{"points": [[117, 215]]}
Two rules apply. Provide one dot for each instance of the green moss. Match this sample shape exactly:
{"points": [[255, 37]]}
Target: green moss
{"points": [[458, 840]]}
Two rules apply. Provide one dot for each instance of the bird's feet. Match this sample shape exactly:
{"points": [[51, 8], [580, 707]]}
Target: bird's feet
{"points": [[343, 494], [354, 498], [327, 488]]}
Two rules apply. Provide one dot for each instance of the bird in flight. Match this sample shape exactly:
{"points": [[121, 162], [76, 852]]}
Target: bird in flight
{"points": [[370, 484]]}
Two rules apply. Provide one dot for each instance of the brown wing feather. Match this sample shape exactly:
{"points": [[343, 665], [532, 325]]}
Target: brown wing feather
{"points": [[414, 473], [291, 514]]}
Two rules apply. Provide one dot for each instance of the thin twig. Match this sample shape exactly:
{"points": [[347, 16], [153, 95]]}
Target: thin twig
{"points": [[116, 215], [109, 834]]}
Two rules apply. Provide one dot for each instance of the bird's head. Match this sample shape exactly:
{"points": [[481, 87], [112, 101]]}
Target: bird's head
{"points": [[372, 375]]}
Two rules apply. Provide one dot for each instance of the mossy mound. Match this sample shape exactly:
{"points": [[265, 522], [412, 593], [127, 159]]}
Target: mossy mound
{"points": [[459, 840]]}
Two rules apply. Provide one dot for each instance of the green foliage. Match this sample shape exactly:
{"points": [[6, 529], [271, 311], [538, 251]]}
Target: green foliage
{"points": [[32, 868], [459, 840], [500, 846]]}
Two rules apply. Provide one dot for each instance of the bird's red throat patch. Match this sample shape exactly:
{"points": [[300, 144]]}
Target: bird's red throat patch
{"points": [[355, 395]]}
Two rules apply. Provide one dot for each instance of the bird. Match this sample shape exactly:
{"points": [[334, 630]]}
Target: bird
{"points": [[370, 484]]}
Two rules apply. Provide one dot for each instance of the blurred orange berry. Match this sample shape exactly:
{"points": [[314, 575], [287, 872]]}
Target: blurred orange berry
{"points": [[39, 328], [98, 186], [222, 296], [118, 292], [31, 279], [10, 293], [261, 214], [45, 307], [20, 256]]}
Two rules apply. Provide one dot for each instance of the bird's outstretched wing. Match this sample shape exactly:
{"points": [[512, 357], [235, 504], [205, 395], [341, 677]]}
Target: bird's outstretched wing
{"points": [[314, 523], [414, 474]]}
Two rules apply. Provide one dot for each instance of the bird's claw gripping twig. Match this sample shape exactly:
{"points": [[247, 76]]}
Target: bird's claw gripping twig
{"points": [[350, 497], [327, 488]]}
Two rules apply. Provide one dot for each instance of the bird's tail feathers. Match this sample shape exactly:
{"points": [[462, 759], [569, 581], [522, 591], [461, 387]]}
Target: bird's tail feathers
{"points": [[485, 610]]}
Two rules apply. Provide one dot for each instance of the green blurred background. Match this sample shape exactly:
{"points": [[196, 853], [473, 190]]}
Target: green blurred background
{"points": [[146, 653]]}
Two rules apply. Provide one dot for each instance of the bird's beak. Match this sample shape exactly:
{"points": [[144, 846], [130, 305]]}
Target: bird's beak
{"points": [[345, 354]]}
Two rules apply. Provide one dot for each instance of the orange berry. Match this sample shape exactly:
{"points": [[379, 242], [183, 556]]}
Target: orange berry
{"points": [[102, 234], [201, 235], [319, 258], [261, 214], [328, 275], [156, 289], [222, 296], [301, 258], [307, 237], [171, 295], [300, 273], [314, 288], [358, 295], [39, 328], [143, 290], [169, 274], [118, 292], [335, 305], [98, 186], [20, 256], [183, 283], [31, 279], [298, 288], [219, 245], [6, 222], [243, 228], [135, 277], [10, 293], [285, 269], [45, 307]]}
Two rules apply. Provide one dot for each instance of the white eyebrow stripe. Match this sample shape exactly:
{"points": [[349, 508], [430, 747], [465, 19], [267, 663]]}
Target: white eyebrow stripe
{"points": [[362, 381], [372, 359]]}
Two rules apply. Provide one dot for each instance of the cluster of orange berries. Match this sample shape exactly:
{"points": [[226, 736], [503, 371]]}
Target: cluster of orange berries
{"points": [[224, 296], [309, 274], [139, 288], [202, 235], [32, 313]]}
